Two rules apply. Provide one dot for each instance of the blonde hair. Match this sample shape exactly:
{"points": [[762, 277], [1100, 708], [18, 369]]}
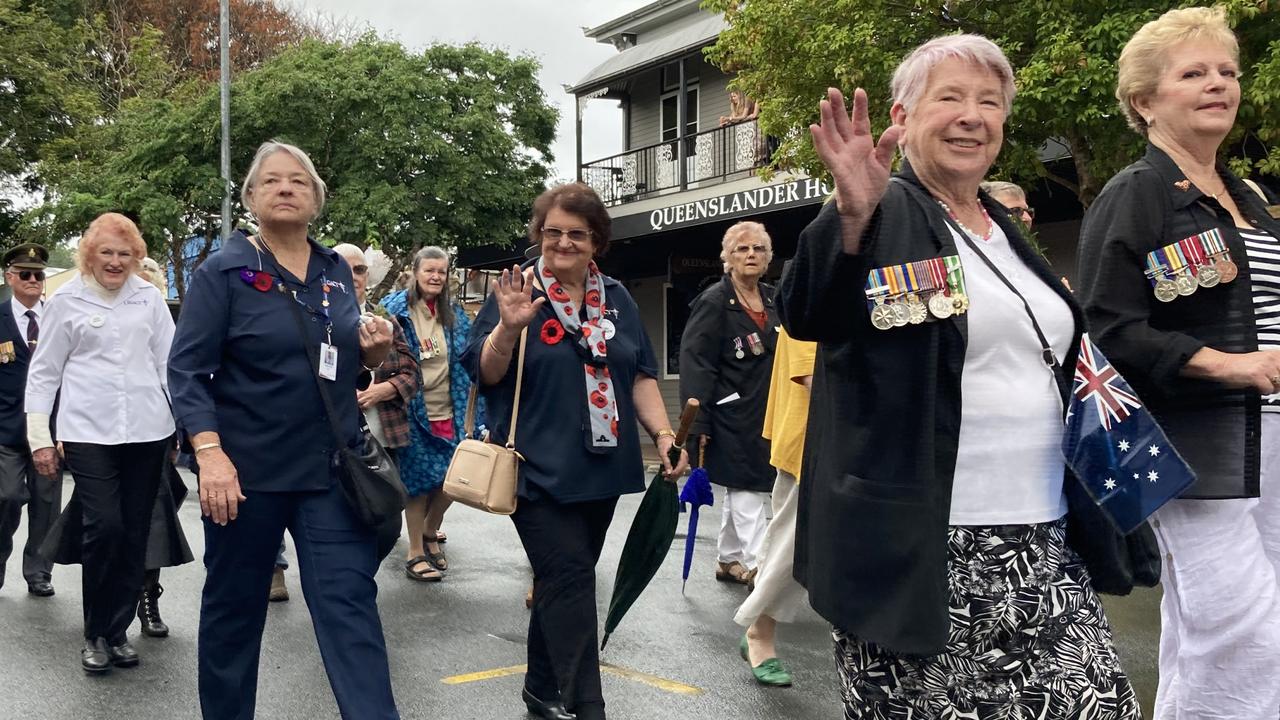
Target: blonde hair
{"points": [[149, 270], [109, 223], [1143, 58], [266, 150], [736, 231], [912, 75]]}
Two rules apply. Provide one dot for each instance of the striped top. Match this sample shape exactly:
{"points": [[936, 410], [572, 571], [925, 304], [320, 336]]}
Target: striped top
{"points": [[1263, 250]]}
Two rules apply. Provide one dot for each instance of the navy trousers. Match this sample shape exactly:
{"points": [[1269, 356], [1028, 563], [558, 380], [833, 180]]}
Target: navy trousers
{"points": [[20, 485], [337, 561]]}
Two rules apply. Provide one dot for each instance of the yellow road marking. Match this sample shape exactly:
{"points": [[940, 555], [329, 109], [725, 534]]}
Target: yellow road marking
{"points": [[484, 675], [671, 686]]}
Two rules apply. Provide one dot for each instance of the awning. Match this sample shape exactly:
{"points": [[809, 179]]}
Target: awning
{"points": [[669, 47]]}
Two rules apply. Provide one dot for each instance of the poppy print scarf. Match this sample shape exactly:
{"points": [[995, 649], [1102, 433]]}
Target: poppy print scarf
{"points": [[592, 337]]}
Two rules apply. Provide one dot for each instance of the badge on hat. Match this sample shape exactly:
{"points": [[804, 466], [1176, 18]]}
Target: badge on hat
{"points": [[28, 256]]}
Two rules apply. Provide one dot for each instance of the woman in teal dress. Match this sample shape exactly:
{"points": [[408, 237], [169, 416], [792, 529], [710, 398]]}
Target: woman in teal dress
{"points": [[437, 329]]}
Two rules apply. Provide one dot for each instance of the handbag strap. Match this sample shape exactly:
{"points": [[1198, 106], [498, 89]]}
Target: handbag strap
{"points": [[314, 362], [469, 426]]}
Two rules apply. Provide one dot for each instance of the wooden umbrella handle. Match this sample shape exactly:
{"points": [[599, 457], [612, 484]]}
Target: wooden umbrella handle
{"points": [[686, 421]]}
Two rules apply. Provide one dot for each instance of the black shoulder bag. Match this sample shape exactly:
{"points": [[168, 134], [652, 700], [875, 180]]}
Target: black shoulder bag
{"points": [[1116, 562], [370, 481]]}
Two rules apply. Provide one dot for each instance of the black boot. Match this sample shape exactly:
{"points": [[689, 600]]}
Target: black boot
{"points": [[149, 612]]}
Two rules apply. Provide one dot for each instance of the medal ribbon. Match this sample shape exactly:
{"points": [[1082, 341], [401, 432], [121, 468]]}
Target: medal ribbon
{"points": [[955, 274], [602, 404]]}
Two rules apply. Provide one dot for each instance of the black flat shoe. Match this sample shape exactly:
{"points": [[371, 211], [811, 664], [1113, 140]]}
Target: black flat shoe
{"points": [[95, 658], [123, 655], [553, 710], [40, 588]]}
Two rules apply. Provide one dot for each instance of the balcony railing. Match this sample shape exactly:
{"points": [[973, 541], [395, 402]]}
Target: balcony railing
{"points": [[709, 156]]}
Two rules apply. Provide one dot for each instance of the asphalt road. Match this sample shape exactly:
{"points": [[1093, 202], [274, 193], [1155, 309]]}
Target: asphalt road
{"points": [[455, 647]]}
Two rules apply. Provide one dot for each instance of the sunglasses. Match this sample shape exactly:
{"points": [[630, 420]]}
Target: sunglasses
{"points": [[27, 275]]}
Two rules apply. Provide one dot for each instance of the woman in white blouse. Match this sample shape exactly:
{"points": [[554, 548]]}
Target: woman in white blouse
{"points": [[102, 354]]}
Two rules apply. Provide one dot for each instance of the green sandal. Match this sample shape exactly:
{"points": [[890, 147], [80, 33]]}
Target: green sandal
{"points": [[771, 672]]}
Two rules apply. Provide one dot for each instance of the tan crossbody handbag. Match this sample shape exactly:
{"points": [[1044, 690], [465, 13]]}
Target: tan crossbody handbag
{"points": [[485, 475]]}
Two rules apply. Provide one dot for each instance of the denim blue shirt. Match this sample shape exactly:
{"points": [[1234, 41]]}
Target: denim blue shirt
{"points": [[238, 368]]}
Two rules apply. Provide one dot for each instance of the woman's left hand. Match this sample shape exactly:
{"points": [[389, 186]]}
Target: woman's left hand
{"points": [[665, 443], [375, 340], [374, 394]]}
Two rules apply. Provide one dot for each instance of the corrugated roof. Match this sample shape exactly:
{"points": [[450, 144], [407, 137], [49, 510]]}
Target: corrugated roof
{"points": [[671, 46]]}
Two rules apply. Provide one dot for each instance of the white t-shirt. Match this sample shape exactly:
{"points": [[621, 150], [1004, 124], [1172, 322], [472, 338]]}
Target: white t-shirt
{"points": [[1009, 463]]}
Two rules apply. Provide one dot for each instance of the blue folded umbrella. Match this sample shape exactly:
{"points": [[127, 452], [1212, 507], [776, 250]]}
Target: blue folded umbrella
{"points": [[696, 492]]}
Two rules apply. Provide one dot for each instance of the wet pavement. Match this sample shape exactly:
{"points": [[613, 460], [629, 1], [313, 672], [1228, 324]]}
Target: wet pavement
{"points": [[455, 647]]}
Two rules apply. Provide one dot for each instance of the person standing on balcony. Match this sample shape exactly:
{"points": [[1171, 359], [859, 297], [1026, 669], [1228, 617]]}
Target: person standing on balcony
{"points": [[726, 358], [741, 109]]}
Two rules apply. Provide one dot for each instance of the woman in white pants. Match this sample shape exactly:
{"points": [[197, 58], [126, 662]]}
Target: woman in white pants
{"points": [[726, 357], [1205, 358]]}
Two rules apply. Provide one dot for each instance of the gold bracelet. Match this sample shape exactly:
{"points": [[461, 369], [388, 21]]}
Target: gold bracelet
{"points": [[494, 346], [664, 432], [206, 446]]}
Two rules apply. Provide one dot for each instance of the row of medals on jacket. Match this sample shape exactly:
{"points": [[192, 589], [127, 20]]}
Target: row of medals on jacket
{"points": [[1179, 269], [916, 292]]}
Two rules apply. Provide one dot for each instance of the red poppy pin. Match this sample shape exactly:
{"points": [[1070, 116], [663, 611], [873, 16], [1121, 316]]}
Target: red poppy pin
{"points": [[260, 281], [552, 331]]}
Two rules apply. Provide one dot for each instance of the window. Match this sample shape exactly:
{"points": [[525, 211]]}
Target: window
{"points": [[671, 75], [670, 119]]}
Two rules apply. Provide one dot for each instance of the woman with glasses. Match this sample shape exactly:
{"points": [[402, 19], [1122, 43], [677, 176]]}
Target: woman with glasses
{"points": [[726, 360], [436, 329], [589, 379], [1013, 198]]}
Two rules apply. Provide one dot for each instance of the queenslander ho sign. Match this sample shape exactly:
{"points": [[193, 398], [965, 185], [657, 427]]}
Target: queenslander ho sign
{"points": [[723, 207]]}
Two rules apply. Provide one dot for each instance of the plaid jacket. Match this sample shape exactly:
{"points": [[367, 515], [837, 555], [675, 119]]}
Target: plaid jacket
{"points": [[401, 370]]}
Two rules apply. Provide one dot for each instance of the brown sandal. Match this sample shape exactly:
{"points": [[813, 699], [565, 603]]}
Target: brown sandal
{"points": [[430, 574], [733, 572]]}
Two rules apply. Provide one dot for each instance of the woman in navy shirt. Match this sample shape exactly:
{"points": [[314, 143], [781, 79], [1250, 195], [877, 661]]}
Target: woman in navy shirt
{"points": [[245, 390], [589, 378]]}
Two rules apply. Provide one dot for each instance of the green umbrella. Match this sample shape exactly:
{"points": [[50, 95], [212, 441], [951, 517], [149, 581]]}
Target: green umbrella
{"points": [[652, 531]]}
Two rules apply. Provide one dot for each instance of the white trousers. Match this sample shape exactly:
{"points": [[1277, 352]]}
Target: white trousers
{"points": [[1220, 616], [777, 593], [743, 522]]}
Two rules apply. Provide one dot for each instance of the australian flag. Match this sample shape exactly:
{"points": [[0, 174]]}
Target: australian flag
{"points": [[1116, 448]]}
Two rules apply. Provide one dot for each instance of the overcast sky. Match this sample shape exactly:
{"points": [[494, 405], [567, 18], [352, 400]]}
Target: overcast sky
{"points": [[550, 30]]}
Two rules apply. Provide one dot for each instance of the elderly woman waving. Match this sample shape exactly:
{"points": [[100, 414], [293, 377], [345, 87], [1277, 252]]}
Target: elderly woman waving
{"points": [[934, 545], [1180, 278], [244, 379], [589, 380]]}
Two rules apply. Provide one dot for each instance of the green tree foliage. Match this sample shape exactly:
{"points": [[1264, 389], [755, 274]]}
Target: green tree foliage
{"points": [[447, 147], [44, 90], [787, 52]]}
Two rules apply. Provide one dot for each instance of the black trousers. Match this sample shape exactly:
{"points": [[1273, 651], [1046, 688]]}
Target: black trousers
{"points": [[563, 542], [20, 485], [117, 486]]}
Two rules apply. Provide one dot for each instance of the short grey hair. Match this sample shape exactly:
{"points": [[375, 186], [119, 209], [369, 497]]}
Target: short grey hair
{"points": [[343, 248], [1000, 187], [736, 231], [912, 76], [266, 150]]}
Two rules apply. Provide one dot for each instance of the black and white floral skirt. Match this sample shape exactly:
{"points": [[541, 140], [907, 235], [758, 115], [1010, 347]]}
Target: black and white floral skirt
{"points": [[1028, 640]]}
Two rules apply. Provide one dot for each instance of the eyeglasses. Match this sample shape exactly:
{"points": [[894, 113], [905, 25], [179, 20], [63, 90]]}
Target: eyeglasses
{"points": [[1020, 210], [577, 235], [359, 269], [757, 249], [26, 275]]}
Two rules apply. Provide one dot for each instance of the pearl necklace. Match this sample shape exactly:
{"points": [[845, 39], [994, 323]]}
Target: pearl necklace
{"points": [[985, 237]]}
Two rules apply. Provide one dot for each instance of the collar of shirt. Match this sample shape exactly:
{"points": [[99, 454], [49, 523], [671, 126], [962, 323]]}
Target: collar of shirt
{"points": [[238, 252], [20, 310], [1174, 180], [133, 285]]}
